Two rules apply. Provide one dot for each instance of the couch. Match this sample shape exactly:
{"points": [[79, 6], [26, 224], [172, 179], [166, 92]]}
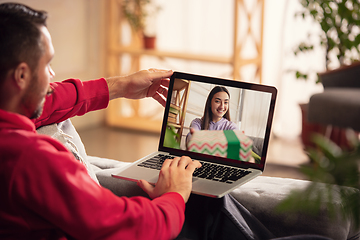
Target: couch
{"points": [[339, 104], [260, 196]]}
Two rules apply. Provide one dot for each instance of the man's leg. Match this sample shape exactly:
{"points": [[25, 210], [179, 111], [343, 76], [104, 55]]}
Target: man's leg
{"points": [[223, 218]]}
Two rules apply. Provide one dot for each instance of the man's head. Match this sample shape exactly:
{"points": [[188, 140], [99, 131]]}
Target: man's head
{"points": [[26, 51]]}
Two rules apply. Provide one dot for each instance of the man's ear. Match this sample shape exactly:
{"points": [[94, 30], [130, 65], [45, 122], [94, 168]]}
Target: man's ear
{"points": [[22, 75]]}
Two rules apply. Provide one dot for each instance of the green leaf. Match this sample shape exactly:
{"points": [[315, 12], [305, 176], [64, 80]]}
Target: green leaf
{"points": [[300, 75], [170, 138], [334, 185], [337, 22]]}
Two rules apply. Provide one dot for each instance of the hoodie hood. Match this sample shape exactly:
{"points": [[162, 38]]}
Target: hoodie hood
{"points": [[9, 120]]}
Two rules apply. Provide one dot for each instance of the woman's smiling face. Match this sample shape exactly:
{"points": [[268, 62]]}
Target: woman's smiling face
{"points": [[219, 105]]}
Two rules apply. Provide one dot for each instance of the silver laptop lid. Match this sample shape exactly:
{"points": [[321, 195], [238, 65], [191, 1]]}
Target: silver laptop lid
{"points": [[251, 107]]}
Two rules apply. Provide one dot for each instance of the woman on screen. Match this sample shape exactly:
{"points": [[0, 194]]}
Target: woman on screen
{"points": [[216, 113]]}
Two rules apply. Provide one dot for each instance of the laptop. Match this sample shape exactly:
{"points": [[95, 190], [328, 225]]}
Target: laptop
{"points": [[251, 108]]}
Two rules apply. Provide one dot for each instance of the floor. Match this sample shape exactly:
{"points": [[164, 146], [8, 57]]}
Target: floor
{"points": [[283, 160]]}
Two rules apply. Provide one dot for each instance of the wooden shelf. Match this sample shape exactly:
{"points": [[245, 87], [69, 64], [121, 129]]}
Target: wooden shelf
{"points": [[115, 49], [180, 96], [184, 56], [178, 55], [174, 125]]}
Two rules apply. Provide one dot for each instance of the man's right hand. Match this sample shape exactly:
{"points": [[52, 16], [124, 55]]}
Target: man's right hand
{"points": [[175, 176], [146, 83]]}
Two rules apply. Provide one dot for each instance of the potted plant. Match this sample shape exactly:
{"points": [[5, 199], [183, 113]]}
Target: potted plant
{"points": [[335, 181], [340, 35], [340, 39], [141, 17]]}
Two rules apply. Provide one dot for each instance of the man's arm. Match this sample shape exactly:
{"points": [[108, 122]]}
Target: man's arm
{"points": [[73, 97]]}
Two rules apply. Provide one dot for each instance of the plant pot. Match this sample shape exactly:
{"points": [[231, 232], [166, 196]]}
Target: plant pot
{"points": [[149, 42], [307, 128], [344, 76], [335, 134]]}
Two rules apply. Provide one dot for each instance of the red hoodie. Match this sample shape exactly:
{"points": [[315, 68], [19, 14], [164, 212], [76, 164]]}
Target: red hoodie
{"points": [[47, 194]]}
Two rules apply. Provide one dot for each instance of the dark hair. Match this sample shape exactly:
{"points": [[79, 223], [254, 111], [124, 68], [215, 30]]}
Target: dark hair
{"points": [[20, 37], [207, 117]]}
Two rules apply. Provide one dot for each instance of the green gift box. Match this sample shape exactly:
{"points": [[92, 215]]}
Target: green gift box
{"points": [[231, 144]]}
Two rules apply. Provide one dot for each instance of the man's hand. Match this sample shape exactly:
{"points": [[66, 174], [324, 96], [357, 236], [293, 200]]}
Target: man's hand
{"points": [[146, 83], [175, 176]]}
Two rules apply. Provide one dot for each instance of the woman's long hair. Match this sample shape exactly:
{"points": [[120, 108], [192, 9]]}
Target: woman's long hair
{"points": [[207, 117]]}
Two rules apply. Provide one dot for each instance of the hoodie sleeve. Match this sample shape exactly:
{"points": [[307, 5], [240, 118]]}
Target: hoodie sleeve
{"points": [[73, 97]]}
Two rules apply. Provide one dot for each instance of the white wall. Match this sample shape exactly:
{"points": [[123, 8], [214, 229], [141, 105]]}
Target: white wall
{"points": [[206, 26], [255, 113], [77, 33], [282, 32], [199, 26]]}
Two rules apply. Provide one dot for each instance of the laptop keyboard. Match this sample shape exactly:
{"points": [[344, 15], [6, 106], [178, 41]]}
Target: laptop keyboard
{"points": [[210, 171]]}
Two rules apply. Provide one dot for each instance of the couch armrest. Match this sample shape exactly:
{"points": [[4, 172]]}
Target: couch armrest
{"points": [[104, 168], [106, 163], [336, 106], [261, 196]]}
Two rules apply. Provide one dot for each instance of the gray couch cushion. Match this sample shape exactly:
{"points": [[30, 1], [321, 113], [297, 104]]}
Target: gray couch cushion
{"points": [[261, 196], [104, 168], [119, 187], [336, 106]]}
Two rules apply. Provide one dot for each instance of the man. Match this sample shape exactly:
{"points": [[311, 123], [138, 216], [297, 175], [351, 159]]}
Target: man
{"points": [[46, 192]]}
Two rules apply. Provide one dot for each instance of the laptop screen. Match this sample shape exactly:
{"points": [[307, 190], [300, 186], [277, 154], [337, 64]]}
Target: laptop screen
{"points": [[196, 103]]}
